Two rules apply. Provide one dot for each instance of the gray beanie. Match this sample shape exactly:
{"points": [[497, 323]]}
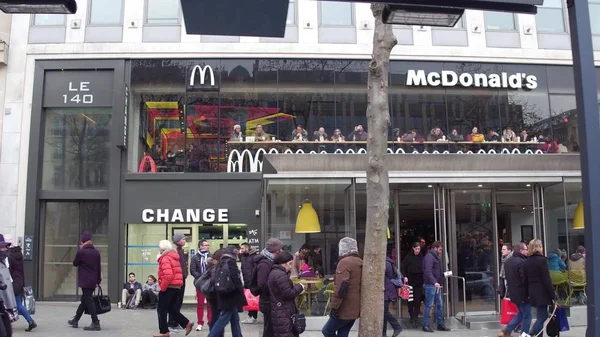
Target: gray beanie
{"points": [[348, 246], [273, 245], [177, 237]]}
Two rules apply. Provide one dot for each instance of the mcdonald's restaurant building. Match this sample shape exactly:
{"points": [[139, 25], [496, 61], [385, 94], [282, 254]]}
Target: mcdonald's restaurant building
{"points": [[137, 150]]}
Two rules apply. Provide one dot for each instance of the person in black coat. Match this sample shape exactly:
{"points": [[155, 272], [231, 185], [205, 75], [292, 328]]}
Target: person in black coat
{"points": [[516, 289], [540, 290], [230, 303], [211, 299], [87, 261], [412, 269], [247, 256], [15, 262], [283, 296]]}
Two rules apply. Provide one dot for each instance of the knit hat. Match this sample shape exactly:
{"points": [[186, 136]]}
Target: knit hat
{"points": [[347, 246], [86, 236], [273, 245], [8, 238], [178, 237]]}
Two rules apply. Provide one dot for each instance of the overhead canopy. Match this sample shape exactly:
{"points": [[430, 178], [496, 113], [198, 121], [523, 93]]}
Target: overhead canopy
{"points": [[38, 6]]}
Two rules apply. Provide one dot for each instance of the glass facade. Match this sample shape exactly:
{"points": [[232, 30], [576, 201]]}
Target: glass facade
{"points": [[186, 127]]}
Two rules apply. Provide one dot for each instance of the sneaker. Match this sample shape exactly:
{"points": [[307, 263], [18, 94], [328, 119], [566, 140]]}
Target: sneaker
{"points": [[199, 327], [250, 320], [524, 335]]}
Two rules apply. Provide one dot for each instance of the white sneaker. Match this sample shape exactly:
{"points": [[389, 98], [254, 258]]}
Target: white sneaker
{"points": [[199, 327], [524, 335], [250, 320]]}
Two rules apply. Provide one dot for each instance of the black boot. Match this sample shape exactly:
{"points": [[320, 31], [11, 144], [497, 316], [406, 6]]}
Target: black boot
{"points": [[32, 325], [442, 327], [74, 323], [95, 326], [427, 329]]}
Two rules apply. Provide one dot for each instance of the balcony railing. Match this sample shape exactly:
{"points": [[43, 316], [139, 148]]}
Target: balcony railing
{"points": [[248, 156]]}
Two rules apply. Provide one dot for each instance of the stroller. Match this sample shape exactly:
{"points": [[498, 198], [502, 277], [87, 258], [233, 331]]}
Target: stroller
{"points": [[5, 316]]}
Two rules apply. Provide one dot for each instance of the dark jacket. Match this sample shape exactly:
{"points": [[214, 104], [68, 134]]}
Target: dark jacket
{"points": [[183, 261], [234, 300], [87, 261], [516, 287], [15, 261], [263, 269], [412, 268], [135, 286], [196, 265], [283, 301], [247, 266], [539, 285], [391, 292], [432, 269], [210, 269], [346, 290]]}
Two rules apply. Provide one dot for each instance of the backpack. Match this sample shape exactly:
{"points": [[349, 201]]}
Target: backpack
{"points": [[223, 281], [204, 283], [253, 286]]}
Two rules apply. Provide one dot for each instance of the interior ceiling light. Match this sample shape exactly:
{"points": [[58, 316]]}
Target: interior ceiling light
{"points": [[38, 6], [414, 15]]}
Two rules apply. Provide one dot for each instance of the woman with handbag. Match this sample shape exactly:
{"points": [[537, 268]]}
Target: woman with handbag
{"points": [[87, 260], [412, 269], [540, 290], [392, 278], [284, 313]]}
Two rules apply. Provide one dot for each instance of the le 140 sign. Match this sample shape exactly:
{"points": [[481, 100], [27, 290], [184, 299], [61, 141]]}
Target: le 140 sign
{"points": [[79, 93]]}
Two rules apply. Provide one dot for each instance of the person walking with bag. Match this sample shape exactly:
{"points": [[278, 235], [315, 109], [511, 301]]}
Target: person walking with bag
{"points": [[15, 265], [390, 295], [516, 290], [197, 268], [263, 264], [87, 260], [283, 296], [170, 281], [539, 285], [230, 294], [412, 269], [179, 240]]}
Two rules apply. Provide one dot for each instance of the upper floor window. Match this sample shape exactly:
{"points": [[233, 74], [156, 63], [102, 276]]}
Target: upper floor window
{"points": [[49, 19], [336, 13], [550, 17], [159, 12], [500, 21], [291, 18], [106, 12], [594, 15], [460, 24]]}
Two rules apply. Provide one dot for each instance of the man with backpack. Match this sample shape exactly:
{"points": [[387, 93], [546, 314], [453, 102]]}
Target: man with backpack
{"points": [[247, 258], [259, 283], [230, 294]]}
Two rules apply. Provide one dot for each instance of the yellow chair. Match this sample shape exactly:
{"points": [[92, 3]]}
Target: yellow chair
{"points": [[328, 293], [560, 282], [577, 282]]}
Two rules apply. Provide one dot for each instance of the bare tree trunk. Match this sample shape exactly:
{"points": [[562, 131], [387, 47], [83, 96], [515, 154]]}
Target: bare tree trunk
{"points": [[378, 190]]}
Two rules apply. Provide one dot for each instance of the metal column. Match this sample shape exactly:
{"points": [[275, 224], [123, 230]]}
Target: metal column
{"points": [[589, 142]]}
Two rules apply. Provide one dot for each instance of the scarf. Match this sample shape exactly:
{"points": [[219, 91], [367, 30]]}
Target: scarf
{"points": [[203, 260], [267, 254]]}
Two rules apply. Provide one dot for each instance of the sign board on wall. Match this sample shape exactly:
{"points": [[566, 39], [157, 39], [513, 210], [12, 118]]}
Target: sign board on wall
{"points": [[78, 88], [449, 78], [202, 78], [125, 117], [28, 248], [177, 215]]}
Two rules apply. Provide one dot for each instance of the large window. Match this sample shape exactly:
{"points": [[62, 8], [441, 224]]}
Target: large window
{"points": [[62, 225], [500, 21], [105, 12], [48, 19], [550, 17], [76, 144], [334, 13], [291, 17], [162, 12]]}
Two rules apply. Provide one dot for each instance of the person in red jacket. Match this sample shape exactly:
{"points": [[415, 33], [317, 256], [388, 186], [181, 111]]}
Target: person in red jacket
{"points": [[170, 281]]}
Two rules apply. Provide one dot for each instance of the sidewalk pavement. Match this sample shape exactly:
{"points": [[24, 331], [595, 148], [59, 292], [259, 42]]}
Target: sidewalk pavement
{"points": [[52, 321]]}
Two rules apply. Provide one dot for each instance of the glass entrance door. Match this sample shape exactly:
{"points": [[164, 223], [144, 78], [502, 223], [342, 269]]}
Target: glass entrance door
{"points": [[474, 256]]}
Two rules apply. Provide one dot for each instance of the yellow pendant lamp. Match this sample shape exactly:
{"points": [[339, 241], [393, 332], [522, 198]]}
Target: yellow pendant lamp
{"points": [[308, 220], [578, 221]]}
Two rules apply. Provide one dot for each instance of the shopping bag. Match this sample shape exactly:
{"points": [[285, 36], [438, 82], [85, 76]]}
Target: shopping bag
{"points": [[561, 315], [101, 302], [404, 292], [29, 300], [252, 301], [508, 311]]}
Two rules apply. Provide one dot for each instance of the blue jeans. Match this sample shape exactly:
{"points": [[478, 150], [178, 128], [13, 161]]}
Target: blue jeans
{"points": [[21, 308], [227, 316], [541, 316], [430, 296], [337, 327], [524, 315]]}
